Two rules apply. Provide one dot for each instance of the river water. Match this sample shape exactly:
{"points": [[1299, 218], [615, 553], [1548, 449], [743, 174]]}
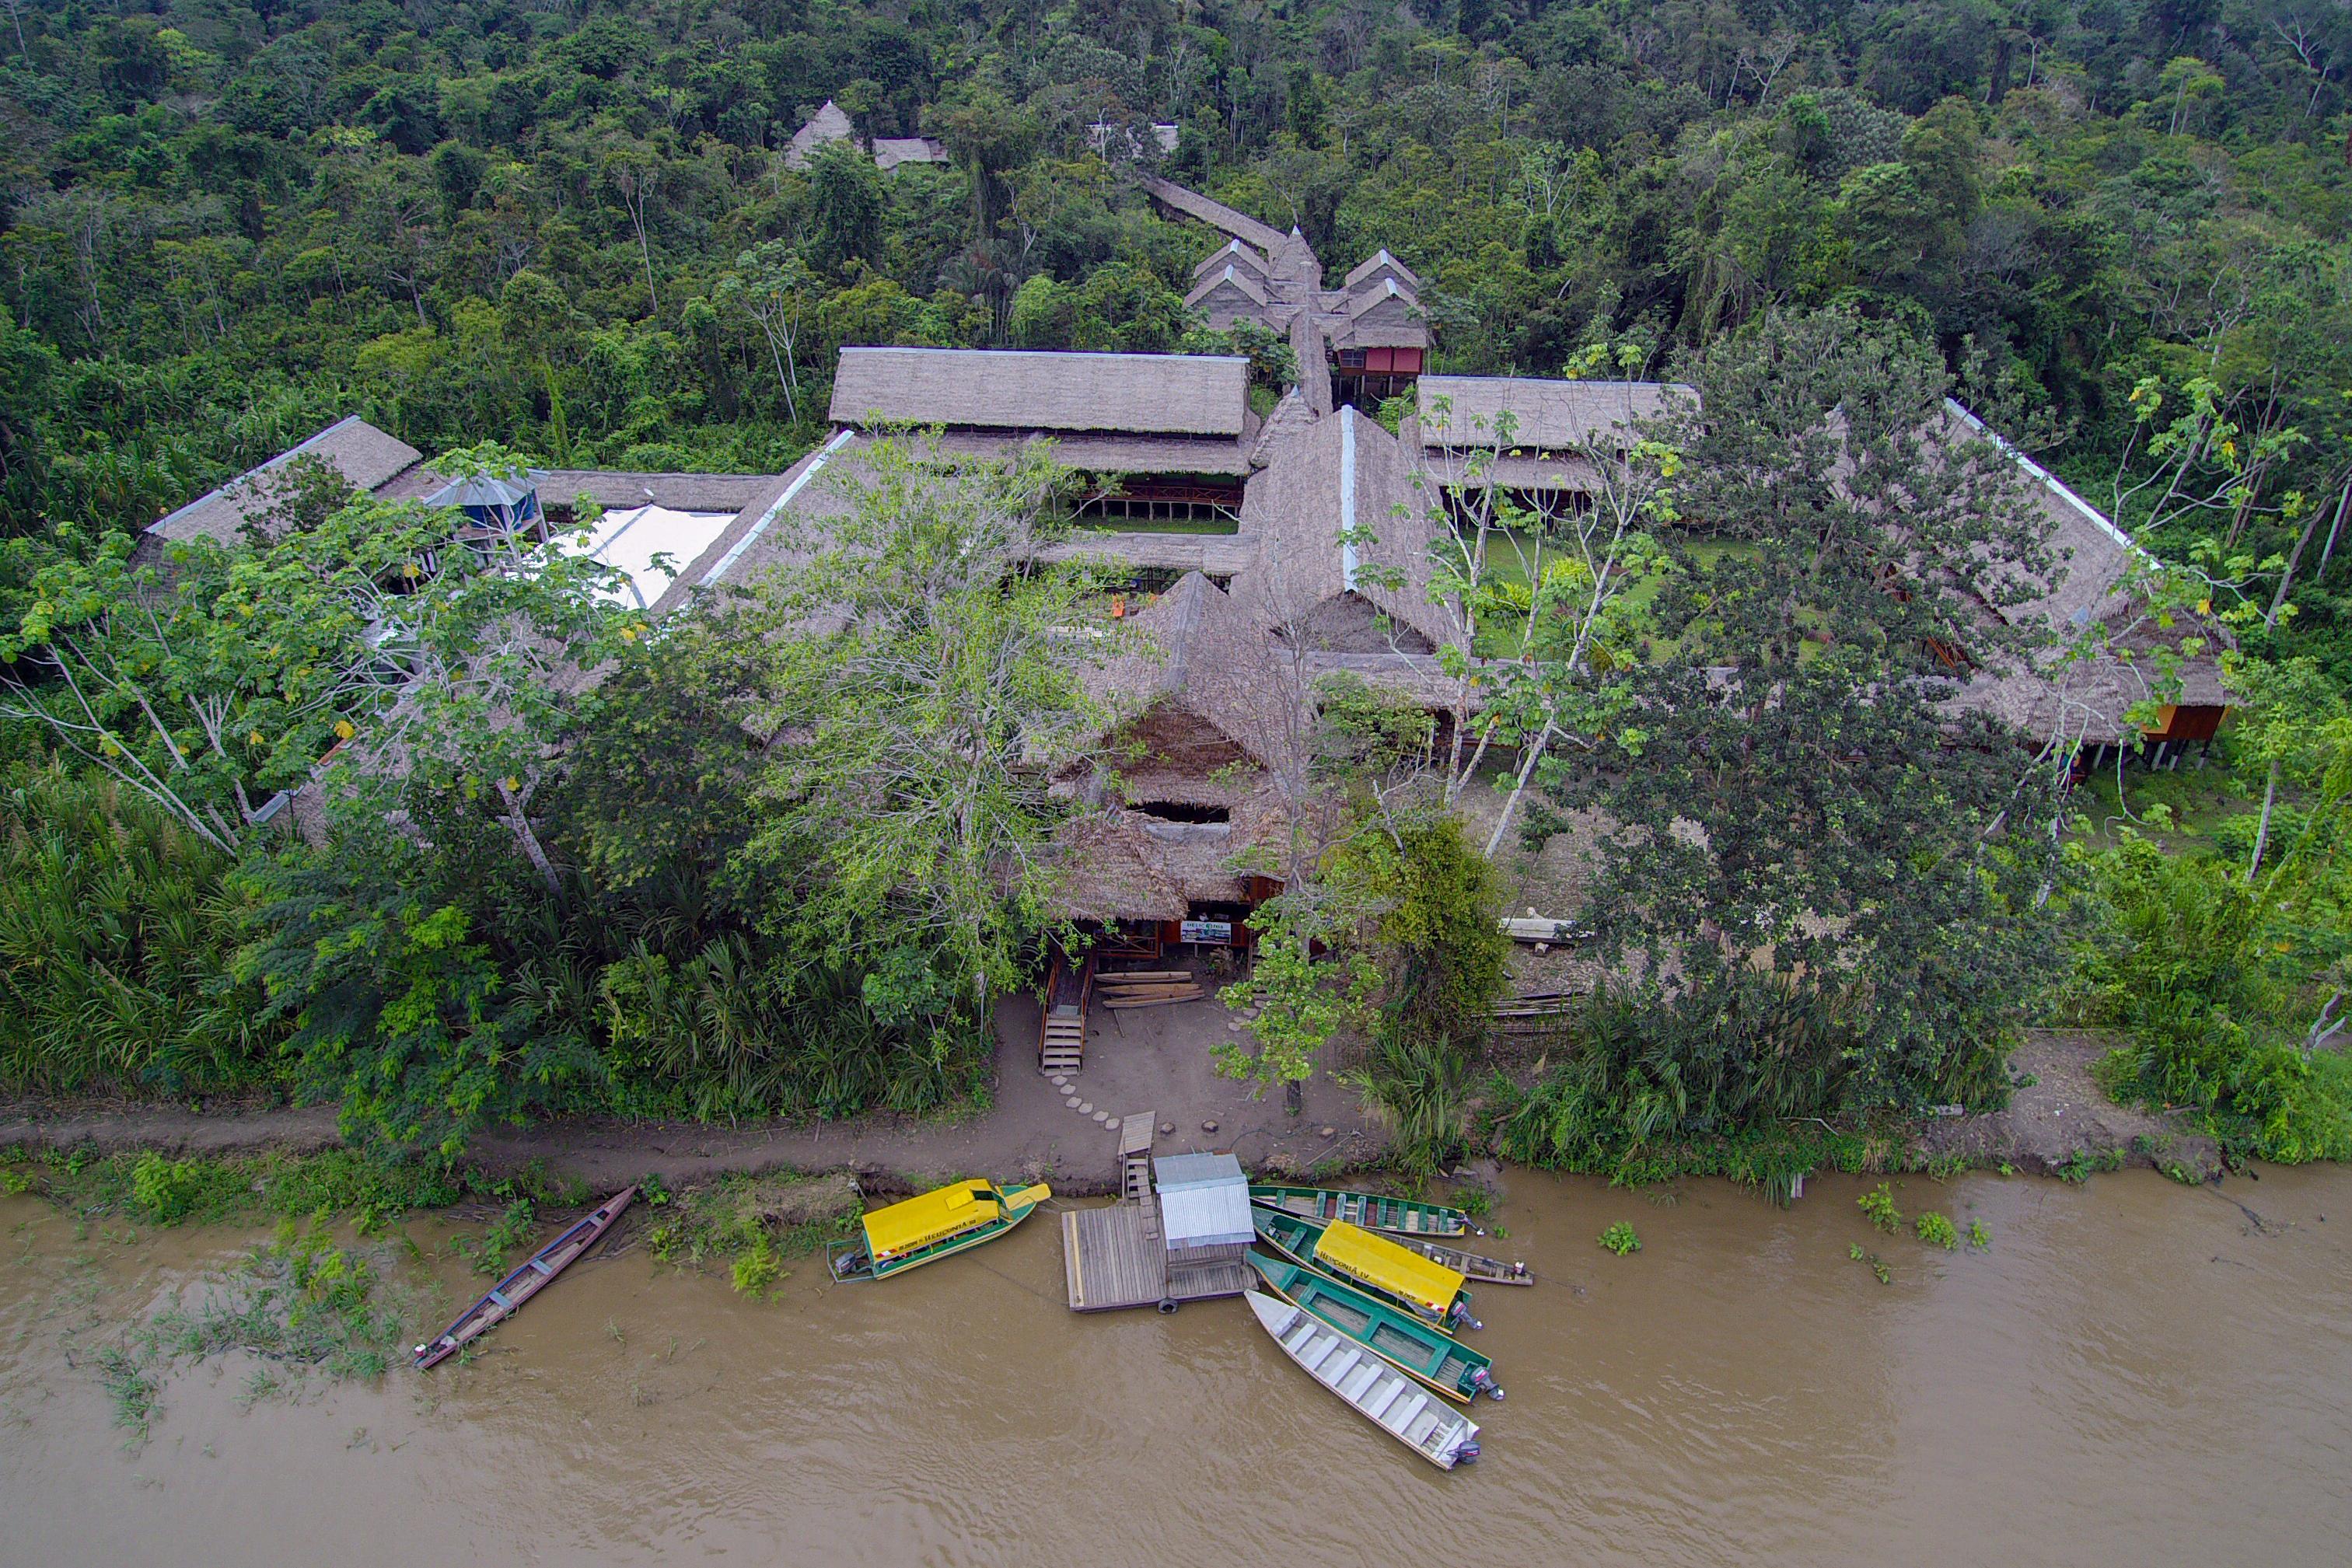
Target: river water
{"points": [[2135, 1372]]}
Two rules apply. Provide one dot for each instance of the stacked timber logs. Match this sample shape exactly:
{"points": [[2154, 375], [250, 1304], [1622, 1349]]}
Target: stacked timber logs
{"points": [[1147, 988], [1537, 1005]]}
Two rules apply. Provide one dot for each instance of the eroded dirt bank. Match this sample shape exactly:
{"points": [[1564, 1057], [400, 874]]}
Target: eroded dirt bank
{"points": [[2058, 1123]]}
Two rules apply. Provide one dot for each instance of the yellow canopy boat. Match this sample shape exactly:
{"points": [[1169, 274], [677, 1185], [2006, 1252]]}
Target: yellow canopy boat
{"points": [[1386, 1267], [925, 1228], [1355, 1253]]}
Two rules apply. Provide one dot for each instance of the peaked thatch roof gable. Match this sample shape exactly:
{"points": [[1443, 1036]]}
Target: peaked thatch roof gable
{"points": [[830, 124], [1380, 263], [1339, 475], [1001, 388], [1233, 253], [1231, 281], [1204, 655], [365, 456]]}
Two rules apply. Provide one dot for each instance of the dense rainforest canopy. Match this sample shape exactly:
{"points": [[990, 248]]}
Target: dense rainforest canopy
{"points": [[572, 228]]}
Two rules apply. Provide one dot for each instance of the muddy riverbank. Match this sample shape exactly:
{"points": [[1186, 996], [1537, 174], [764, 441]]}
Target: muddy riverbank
{"points": [[1037, 1128], [2133, 1371]]}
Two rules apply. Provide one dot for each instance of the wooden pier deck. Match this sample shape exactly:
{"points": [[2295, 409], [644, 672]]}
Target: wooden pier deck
{"points": [[1114, 1257]]}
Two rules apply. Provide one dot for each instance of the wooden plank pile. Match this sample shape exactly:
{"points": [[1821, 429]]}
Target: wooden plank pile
{"points": [[1537, 1005], [1541, 932], [1147, 988]]}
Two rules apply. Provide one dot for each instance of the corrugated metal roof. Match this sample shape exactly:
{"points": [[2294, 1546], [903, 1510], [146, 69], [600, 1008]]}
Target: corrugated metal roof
{"points": [[487, 490], [1205, 1217], [1174, 1172]]}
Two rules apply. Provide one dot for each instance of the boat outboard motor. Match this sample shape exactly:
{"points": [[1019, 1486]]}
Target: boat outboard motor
{"points": [[1461, 1314], [1483, 1382], [1465, 1453]]}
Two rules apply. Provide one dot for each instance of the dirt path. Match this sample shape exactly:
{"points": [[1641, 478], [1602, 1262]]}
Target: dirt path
{"points": [[1156, 1061]]}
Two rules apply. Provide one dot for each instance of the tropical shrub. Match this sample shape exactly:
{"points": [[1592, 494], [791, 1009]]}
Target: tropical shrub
{"points": [[116, 929]]}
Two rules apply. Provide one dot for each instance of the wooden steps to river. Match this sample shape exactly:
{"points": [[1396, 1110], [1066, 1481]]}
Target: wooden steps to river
{"points": [[1062, 1048]]}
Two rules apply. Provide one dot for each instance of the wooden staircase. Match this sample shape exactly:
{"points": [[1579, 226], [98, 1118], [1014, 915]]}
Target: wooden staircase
{"points": [[1062, 1041], [1062, 1047], [1135, 1132]]}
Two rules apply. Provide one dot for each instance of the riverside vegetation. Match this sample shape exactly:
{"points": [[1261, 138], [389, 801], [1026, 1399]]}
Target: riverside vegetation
{"points": [[2121, 230], [337, 1292]]}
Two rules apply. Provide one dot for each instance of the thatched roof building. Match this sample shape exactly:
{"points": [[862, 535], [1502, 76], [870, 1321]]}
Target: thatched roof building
{"points": [[367, 458], [1004, 389]]}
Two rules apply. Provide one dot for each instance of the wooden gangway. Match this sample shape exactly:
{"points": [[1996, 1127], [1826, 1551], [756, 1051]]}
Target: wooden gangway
{"points": [[1215, 214], [1134, 1156]]}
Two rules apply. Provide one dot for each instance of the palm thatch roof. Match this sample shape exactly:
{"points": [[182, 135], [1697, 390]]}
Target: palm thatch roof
{"points": [[1233, 253], [1379, 264], [365, 456], [1232, 280], [1203, 655], [829, 123], [1551, 415], [1339, 478], [1000, 389]]}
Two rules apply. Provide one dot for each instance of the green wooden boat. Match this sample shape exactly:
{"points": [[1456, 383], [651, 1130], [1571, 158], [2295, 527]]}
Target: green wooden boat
{"points": [[1400, 1216], [1297, 1238], [1396, 1336]]}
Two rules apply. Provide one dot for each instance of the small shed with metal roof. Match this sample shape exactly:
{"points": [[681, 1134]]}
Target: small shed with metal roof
{"points": [[1204, 1208]]}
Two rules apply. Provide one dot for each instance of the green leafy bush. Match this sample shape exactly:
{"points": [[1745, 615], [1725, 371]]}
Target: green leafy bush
{"points": [[1415, 1086], [1620, 1238], [1878, 1203], [1936, 1231], [758, 1268], [116, 929], [166, 1191], [2213, 979]]}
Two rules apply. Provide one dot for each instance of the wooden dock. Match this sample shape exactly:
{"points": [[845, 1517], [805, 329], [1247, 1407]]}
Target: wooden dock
{"points": [[1113, 1258]]}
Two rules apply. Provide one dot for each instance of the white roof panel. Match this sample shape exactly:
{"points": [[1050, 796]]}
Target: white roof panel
{"points": [[631, 540]]}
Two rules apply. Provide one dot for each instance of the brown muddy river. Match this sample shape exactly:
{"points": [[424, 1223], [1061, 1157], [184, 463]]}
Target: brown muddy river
{"points": [[2136, 1373]]}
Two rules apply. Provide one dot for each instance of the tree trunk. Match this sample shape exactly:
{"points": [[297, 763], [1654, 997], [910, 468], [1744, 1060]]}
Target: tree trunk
{"points": [[2286, 574], [2262, 829], [519, 821], [2336, 527], [1518, 788], [637, 217]]}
